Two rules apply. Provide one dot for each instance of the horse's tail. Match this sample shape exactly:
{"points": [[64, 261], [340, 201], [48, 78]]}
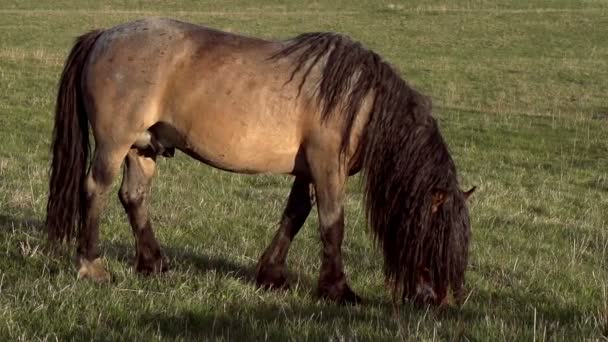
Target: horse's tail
{"points": [[66, 206]]}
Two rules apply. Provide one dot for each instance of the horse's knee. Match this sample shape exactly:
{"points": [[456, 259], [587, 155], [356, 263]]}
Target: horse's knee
{"points": [[93, 187], [99, 179], [89, 186], [130, 197], [123, 196]]}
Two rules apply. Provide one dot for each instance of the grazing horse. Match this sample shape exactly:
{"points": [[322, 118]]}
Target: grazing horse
{"points": [[320, 107]]}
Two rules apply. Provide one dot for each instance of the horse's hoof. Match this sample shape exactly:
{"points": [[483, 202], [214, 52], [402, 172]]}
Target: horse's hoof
{"points": [[94, 270], [281, 285], [271, 281], [270, 276], [349, 297], [340, 294], [149, 267]]}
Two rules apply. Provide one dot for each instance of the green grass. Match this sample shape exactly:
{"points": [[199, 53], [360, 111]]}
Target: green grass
{"points": [[521, 91]]}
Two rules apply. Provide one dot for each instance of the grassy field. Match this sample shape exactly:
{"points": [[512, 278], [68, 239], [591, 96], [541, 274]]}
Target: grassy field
{"points": [[521, 92]]}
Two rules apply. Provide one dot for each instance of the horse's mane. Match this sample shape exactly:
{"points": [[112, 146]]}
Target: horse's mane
{"points": [[349, 73], [404, 158]]}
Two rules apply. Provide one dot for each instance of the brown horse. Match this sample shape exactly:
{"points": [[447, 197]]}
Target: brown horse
{"points": [[319, 107]]}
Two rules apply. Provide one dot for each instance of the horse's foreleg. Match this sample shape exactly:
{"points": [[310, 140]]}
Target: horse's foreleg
{"points": [[104, 168], [330, 186], [133, 195], [270, 271]]}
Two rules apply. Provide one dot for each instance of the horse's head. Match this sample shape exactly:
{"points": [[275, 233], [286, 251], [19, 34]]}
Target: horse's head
{"points": [[448, 210]]}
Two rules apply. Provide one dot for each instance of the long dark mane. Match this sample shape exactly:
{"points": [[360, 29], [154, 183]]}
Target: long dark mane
{"points": [[404, 158]]}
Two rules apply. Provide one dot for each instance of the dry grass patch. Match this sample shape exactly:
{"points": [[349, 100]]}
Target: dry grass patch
{"points": [[44, 57]]}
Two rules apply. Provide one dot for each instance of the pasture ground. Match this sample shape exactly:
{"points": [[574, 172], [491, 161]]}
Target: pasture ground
{"points": [[521, 92]]}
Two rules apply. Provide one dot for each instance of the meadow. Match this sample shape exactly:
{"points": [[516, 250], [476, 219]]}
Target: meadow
{"points": [[520, 89]]}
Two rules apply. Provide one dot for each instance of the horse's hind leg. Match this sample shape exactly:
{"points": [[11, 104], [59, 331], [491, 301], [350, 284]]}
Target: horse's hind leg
{"points": [[270, 271], [134, 192], [104, 168]]}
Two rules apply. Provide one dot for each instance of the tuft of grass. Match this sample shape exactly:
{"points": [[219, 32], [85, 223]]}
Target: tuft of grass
{"points": [[520, 91]]}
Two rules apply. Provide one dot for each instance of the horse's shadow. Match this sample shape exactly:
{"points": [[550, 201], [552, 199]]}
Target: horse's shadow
{"points": [[184, 261], [180, 260], [264, 320], [243, 320]]}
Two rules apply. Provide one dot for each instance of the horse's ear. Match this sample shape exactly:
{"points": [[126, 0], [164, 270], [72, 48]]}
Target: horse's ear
{"points": [[467, 194], [439, 196]]}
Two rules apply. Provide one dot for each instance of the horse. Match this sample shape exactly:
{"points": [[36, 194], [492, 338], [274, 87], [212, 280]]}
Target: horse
{"points": [[320, 107]]}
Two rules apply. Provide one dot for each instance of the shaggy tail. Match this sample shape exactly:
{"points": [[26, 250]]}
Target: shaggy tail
{"points": [[66, 207]]}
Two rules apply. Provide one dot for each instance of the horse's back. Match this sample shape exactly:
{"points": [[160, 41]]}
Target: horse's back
{"points": [[217, 94]]}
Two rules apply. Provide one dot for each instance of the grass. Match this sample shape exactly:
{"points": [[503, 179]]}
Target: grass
{"points": [[520, 88]]}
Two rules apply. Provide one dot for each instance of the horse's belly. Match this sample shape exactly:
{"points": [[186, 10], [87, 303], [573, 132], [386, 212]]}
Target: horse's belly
{"points": [[256, 148], [243, 155]]}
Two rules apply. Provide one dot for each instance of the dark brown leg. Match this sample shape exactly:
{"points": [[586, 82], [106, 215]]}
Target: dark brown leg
{"points": [[133, 194], [329, 185], [270, 272], [104, 168]]}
